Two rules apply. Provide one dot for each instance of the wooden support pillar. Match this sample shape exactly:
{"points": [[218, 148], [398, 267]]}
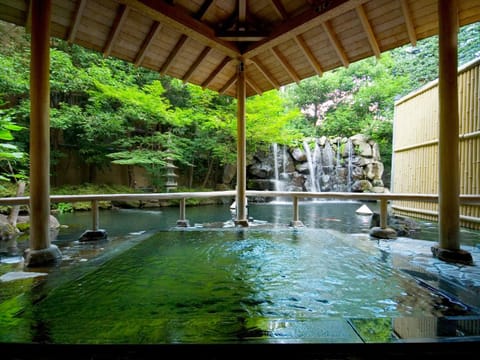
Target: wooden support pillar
{"points": [[41, 251], [241, 219], [448, 248]]}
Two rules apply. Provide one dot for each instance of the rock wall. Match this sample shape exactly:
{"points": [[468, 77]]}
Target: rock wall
{"points": [[320, 165]]}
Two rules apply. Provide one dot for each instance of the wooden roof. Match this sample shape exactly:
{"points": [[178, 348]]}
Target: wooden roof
{"points": [[280, 41]]}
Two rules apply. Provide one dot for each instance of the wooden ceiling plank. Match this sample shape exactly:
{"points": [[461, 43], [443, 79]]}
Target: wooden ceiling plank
{"points": [[266, 73], [309, 54], [204, 9], [76, 21], [335, 43], [285, 64], [368, 29], [122, 15], [177, 18], [254, 86], [215, 72], [279, 9], [228, 84], [154, 30], [409, 22], [301, 23], [176, 49], [196, 63]]}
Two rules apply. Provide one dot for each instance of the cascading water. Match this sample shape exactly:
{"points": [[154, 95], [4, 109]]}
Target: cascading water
{"points": [[312, 183], [278, 183], [349, 164]]}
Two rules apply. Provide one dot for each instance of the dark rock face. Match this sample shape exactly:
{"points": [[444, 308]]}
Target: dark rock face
{"points": [[320, 165]]}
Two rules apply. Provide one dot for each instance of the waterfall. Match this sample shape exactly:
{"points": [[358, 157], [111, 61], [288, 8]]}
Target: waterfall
{"points": [[349, 164], [278, 183], [311, 167]]}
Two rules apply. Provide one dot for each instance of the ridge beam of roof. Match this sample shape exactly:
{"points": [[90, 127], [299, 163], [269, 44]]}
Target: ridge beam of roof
{"points": [[409, 22], [309, 54], [279, 9], [76, 21], [196, 63], [176, 49], [181, 21], [116, 28], [368, 29], [285, 64], [215, 72], [335, 43], [154, 30], [265, 73]]}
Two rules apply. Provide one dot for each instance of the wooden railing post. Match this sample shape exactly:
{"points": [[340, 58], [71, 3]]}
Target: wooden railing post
{"points": [[182, 222], [295, 221], [383, 213], [95, 215], [95, 233]]}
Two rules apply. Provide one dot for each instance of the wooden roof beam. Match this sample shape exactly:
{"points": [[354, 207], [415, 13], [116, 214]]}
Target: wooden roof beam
{"points": [[279, 9], [265, 73], [154, 30], [335, 43], [197, 62], [176, 49], [180, 20], [412, 36], [254, 86], [76, 21], [204, 9], [309, 54], [122, 14], [368, 29], [285, 64], [215, 72], [228, 84]]}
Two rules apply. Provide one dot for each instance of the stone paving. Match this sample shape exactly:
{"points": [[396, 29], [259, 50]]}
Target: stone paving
{"points": [[415, 256]]}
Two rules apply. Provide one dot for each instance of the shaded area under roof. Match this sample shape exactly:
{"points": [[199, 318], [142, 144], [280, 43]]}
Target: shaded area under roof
{"points": [[280, 41]]}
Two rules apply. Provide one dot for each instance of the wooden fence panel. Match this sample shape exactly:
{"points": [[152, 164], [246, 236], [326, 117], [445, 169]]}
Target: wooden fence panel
{"points": [[415, 147]]}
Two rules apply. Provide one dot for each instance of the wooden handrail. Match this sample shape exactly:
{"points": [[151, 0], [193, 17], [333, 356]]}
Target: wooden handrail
{"points": [[295, 195]]}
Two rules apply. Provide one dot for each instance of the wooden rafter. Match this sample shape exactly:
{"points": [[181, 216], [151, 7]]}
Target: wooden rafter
{"points": [[154, 30], [196, 63], [76, 21], [265, 73], [122, 15], [368, 29], [204, 9], [285, 64], [408, 22], [279, 9], [335, 43], [228, 84], [309, 54], [176, 49], [178, 19], [254, 86], [215, 72]]}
